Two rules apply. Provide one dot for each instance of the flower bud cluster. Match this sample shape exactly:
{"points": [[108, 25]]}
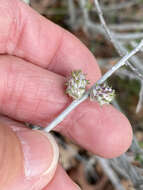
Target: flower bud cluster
{"points": [[102, 93], [76, 84]]}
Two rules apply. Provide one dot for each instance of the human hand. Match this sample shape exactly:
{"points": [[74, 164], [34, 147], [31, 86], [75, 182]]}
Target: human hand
{"points": [[36, 56]]}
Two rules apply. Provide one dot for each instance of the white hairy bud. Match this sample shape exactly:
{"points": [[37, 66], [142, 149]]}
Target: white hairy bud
{"points": [[102, 93], [76, 84]]}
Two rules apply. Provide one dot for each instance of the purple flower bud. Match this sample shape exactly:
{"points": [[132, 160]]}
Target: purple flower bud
{"points": [[102, 93]]}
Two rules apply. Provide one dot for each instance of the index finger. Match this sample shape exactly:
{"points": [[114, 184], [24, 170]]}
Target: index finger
{"points": [[26, 34]]}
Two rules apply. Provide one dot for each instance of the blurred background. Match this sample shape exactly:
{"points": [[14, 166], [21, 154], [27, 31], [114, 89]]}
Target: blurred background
{"points": [[125, 20]]}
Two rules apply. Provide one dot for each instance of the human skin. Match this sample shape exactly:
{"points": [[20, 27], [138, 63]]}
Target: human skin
{"points": [[35, 57]]}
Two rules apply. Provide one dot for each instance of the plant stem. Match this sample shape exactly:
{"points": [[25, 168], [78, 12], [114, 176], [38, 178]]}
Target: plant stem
{"points": [[75, 103], [27, 1]]}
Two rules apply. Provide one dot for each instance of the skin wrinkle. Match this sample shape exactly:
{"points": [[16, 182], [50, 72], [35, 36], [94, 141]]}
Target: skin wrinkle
{"points": [[20, 84], [9, 79], [44, 119], [75, 123], [70, 63], [37, 105], [4, 22], [14, 28], [19, 100], [6, 85], [15, 83], [11, 86], [74, 119], [3, 145], [20, 27], [35, 99], [3, 84], [17, 29], [37, 25], [57, 49], [39, 35]]}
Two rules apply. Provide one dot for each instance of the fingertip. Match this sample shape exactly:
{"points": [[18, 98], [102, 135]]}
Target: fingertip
{"points": [[102, 130], [40, 154], [117, 136], [30, 157]]}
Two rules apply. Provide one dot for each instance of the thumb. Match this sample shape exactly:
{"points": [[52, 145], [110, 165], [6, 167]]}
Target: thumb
{"points": [[28, 159]]}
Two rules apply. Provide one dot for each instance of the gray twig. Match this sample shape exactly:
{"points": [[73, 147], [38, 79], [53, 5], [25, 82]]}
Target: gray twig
{"points": [[27, 1], [118, 46], [72, 12], [140, 102], [75, 103], [119, 6], [110, 173], [129, 36], [131, 171], [127, 26], [122, 73]]}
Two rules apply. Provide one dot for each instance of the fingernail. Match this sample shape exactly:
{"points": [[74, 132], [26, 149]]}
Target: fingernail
{"points": [[40, 153]]}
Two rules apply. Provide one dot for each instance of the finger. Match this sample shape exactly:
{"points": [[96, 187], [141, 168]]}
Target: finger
{"points": [[28, 159], [61, 179], [26, 34], [102, 130], [32, 94], [60, 176]]}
